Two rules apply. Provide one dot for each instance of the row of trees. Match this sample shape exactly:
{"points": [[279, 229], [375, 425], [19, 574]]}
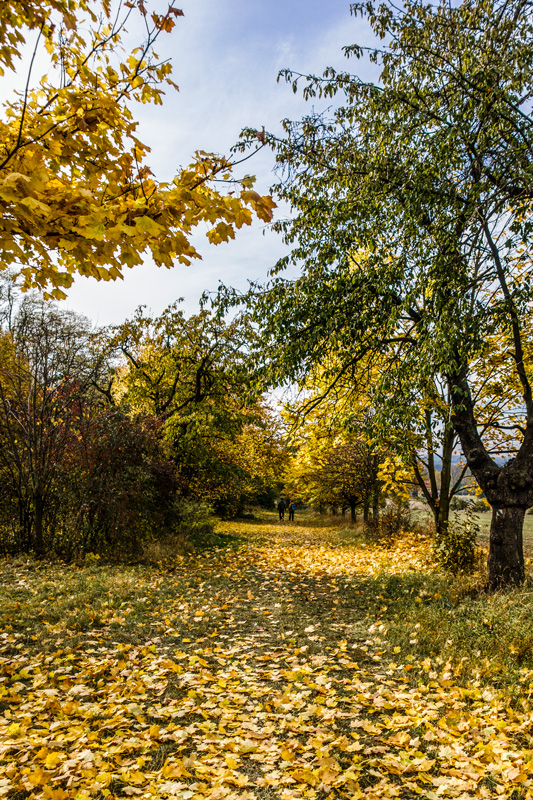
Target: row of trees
{"points": [[110, 438], [412, 217]]}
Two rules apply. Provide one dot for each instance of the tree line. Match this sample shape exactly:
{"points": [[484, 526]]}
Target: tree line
{"points": [[411, 225], [112, 438], [408, 322]]}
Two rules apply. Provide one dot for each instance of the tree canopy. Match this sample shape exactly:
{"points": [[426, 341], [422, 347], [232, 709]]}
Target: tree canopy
{"points": [[76, 191], [411, 222]]}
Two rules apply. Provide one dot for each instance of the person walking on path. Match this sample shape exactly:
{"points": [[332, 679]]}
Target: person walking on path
{"points": [[292, 508], [281, 508]]}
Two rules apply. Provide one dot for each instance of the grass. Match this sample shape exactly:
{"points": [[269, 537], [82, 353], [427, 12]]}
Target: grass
{"points": [[289, 658], [420, 610]]}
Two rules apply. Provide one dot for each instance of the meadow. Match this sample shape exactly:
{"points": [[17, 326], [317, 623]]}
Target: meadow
{"points": [[288, 661]]}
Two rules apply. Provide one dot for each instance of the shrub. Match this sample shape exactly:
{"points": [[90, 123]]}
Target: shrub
{"points": [[392, 523], [192, 528], [464, 503], [460, 503], [193, 524], [455, 546]]}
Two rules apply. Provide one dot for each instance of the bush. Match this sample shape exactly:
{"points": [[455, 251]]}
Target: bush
{"points": [[192, 528], [392, 523], [194, 525], [116, 488], [462, 503], [455, 546]]}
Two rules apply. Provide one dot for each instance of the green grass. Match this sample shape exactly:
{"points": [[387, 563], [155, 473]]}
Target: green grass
{"points": [[422, 612], [483, 520]]}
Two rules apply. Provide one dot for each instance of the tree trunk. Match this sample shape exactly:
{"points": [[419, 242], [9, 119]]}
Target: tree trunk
{"points": [[376, 487], [38, 508], [506, 559], [352, 510], [366, 510], [445, 479], [508, 488], [441, 515], [437, 499], [375, 503]]}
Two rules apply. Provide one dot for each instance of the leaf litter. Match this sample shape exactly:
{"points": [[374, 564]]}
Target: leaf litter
{"points": [[241, 672]]}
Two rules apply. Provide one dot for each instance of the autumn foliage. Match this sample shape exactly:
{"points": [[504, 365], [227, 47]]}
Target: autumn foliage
{"points": [[76, 192], [296, 664], [113, 439]]}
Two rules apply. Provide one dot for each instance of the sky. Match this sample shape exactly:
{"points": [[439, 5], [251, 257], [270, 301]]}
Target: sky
{"points": [[226, 56]]}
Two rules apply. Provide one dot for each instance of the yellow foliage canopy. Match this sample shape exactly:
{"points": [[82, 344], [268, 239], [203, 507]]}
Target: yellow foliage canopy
{"points": [[75, 192]]}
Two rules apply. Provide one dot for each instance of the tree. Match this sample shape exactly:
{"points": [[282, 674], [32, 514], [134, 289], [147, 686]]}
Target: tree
{"points": [[44, 369], [420, 444], [77, 194], [333, 465], [412, 219], [76, 474], [115, 487], [191, 374]]}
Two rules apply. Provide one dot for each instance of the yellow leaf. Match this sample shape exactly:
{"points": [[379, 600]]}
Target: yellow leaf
{"points": [[306, 776], [38, 777], [35, 205], [13, 729], [149, 226], [52, 760]]}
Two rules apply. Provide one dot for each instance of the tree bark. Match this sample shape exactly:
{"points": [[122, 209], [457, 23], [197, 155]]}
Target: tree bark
{"points": [[38, 508], [366, 510], [352, 510], [375, 507], [445, 479], [376, 487], [508, 488], [506, 558]]}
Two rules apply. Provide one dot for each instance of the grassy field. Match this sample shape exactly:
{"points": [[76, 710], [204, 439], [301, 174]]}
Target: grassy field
{"points": [[293, 661], [484, 525]]}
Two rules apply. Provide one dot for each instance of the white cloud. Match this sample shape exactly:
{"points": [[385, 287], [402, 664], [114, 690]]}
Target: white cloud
{"points": [[226, 56]]}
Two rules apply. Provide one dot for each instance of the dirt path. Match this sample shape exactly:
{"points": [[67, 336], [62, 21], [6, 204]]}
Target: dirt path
{"points": [[255, 673]]}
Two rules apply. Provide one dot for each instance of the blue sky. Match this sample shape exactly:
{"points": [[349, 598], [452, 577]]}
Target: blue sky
{"points": [[226, 56]]}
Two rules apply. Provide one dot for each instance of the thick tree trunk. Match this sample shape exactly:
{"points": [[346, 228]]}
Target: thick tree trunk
{"points": [[506, 559], [352, 510], [508, 488]]}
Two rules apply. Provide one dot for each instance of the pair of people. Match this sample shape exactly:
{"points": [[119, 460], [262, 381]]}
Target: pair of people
{"points": [[282, 507]]}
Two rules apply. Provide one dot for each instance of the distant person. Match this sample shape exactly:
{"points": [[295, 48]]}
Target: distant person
{"points": [[281, 508], [292, 509]]}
